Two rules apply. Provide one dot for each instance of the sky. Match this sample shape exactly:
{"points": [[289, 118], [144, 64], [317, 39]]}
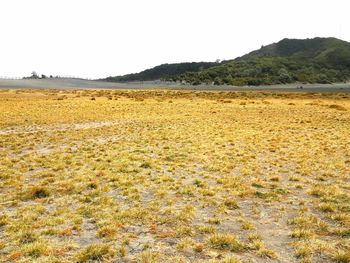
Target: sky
{"points": [[100, 38]]}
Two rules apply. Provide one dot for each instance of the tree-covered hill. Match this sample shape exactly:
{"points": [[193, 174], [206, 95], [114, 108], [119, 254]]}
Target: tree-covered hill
{"points": [[317, 60], [329, 52], [164, 71]]}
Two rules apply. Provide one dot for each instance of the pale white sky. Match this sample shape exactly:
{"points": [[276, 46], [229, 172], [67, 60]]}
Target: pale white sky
{"points": [[99, 38]]}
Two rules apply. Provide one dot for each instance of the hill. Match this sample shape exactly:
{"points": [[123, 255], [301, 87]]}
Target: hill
{"points": [[164, 71], [318, 60]]}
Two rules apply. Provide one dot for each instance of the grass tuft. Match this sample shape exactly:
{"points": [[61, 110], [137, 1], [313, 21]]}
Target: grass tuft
{"points": [[225, 242]]}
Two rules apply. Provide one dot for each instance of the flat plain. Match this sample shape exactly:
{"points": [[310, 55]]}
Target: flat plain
{"points": [[174, 176]]}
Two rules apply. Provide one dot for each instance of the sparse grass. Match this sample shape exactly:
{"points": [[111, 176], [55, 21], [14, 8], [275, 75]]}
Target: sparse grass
{"points": [[148, 257], [162, 176], [225, 242], [342, 256], [38, 192], [231, 204], [96, 252], [337, 107], [303, 252], [302, 233]]}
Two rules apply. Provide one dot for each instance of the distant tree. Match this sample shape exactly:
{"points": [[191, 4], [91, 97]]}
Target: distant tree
{"points": [[43, 76], [34, 75], [51, 77]]}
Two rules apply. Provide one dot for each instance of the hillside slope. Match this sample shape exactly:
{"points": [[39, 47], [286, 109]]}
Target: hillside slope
{"points": [[318, 60], [163, 71]]}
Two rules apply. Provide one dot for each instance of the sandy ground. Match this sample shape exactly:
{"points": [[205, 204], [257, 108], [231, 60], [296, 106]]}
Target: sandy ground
{"points": [[68, 83]]}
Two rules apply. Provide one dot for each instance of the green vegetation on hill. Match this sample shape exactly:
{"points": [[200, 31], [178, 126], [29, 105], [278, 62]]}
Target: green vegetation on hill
{"points": [[317, 60], [164, 71]]}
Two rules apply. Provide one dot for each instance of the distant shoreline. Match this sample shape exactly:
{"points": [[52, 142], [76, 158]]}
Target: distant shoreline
{"points": [[68, 83]]}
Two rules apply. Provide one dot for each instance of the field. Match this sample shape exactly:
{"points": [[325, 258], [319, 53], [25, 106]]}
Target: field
{"points": [[174, 176]]}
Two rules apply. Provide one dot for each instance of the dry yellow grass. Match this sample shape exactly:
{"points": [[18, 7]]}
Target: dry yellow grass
{"points": [[164, 176]]}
